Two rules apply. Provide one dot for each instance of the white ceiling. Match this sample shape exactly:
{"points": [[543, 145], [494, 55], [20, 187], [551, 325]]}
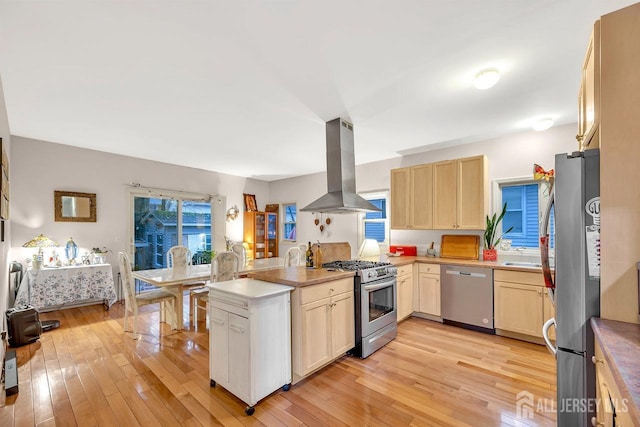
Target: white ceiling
{"points": [[244, 87]]}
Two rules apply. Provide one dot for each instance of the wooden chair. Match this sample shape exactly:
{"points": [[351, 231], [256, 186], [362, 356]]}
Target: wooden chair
{"points": [[224, 266], [292, 257], [133, 301]]}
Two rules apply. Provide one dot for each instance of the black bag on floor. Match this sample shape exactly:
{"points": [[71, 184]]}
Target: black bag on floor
{"points": [[24, 325]]}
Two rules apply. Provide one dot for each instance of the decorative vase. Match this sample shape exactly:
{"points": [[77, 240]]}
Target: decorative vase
{"points": [[489, 254]]}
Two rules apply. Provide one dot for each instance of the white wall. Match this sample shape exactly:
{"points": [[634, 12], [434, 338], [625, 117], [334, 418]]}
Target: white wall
{"points": [[38, 168], [6, 245], [509, 157]]}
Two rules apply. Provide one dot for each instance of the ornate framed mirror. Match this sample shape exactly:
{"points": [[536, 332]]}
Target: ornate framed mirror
{"points": [[74, 207]]}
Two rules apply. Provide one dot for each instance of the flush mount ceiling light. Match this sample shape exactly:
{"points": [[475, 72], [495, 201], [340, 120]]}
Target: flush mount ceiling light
{"points": [[486, 78], [542, 124]]}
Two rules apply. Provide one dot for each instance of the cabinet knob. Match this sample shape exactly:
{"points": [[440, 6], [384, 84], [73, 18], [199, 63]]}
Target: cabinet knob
{"points": [[596, 361], [595, 423], [331, 289], [539, 292], [579, 137]]}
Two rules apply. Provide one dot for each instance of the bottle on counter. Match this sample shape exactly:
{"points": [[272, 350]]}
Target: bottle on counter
{"points": [[318, 261], [309, 257]]}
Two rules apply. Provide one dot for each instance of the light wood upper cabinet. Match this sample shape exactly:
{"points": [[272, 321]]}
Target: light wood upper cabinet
{"points": [[444, 195], [460, 196], [589, 96], [421, 197], [412, 198], [400, 195]]}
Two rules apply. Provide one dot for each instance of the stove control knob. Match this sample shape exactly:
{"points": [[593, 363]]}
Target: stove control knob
{"points": [[393, 270], [372, 274]]}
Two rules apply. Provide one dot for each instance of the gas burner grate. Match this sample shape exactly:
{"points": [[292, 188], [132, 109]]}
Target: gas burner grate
{"points": [[354, 265]]}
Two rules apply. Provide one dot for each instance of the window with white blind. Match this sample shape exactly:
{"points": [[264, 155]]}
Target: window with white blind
{"points": [[375, 225]]}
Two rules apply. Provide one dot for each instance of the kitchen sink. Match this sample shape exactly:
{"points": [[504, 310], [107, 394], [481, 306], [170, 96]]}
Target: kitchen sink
{"points": [[523, 264]]}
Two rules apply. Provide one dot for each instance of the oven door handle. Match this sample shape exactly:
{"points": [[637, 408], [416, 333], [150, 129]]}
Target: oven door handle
{"points": [[375, 287]]}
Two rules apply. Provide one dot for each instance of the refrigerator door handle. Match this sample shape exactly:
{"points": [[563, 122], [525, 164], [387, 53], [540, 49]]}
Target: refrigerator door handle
{"points": [[545, 334], [544, 247]]}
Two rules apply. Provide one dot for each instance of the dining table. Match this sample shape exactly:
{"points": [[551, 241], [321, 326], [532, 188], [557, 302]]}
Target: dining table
{"points": [[173, 280]]}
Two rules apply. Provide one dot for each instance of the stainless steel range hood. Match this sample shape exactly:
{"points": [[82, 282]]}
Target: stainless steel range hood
{"points": [[341, 174]]}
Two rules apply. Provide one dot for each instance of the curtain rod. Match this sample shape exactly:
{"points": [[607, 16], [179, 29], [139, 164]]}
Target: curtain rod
{"points": [[137, 185]]}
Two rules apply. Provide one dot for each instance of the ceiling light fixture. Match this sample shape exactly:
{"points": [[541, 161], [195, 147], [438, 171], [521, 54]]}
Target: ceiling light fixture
{"points": [[486, 78], [542, 124]]}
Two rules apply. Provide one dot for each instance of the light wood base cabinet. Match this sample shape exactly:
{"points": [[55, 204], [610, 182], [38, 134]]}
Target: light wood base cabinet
{"points": [[405, 291], [609, 399], [521, 303], [428, 289], [323, 325]]}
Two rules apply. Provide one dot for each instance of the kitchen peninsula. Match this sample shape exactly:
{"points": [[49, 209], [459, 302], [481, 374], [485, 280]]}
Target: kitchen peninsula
{"points": [[322, 315]]}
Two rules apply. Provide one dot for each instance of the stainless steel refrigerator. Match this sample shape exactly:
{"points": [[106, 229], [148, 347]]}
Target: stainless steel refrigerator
{"points": [[576, 291]]}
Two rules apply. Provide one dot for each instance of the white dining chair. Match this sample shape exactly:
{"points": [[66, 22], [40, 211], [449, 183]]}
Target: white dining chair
{"points": [[179, 257], [241, 251], [133, 301], [224, 266], [292, 257]]}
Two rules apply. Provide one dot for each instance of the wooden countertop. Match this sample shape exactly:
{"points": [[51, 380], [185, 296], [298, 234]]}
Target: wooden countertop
{"points": [[620, 344], [300, 276], [404, 260]]}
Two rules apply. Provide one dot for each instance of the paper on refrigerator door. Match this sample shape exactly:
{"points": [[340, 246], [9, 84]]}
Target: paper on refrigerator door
{"points": [[593, 251]]}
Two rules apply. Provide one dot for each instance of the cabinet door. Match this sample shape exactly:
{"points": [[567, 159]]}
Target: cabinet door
{"points": [[239, 365], [444, 195], [272, 234], [342, 324], [518, 308], [219, 345], [589, 98], [316, 334], [421, 198], [549, 311], [405, 296], [429, 294], [400, 188], [471, 185]]}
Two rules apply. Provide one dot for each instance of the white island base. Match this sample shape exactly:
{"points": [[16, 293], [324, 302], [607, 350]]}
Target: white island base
{"points": [[250, 338]]}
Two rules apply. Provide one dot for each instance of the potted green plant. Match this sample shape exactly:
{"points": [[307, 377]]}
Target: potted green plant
{"points": [[490, 253]]}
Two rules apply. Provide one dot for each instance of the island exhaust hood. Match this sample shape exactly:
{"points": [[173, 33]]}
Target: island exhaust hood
{"points": [[341, 174]]}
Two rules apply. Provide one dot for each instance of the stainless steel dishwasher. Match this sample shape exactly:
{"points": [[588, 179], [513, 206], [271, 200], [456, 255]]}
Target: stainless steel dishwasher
{"points": [[467, 296]]}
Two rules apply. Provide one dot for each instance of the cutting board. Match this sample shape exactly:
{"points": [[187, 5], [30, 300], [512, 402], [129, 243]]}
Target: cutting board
{"points": [[460, 246]]}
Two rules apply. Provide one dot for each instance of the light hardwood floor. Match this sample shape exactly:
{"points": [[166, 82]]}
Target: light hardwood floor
{"points": [[89, 372]]}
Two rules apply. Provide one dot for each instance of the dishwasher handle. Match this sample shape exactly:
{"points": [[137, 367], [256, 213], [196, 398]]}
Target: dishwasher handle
{"points": [[465, 273]]}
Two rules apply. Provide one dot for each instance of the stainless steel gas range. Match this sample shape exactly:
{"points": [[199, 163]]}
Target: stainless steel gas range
{"points": [[375, 303]]}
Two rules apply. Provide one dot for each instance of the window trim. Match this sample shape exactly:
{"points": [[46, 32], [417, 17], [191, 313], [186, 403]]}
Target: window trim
{"points": [[496, 204], [285, 222], [380, 194]]}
